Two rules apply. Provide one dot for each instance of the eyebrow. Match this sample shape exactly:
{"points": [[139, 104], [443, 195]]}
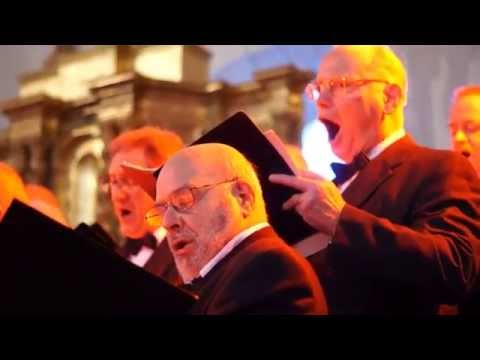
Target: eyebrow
{"points": [[188, 184], [464, 120]]}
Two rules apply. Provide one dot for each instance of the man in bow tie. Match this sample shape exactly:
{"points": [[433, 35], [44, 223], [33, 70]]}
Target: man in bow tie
{"points": [[144, 246], [401, 221]]}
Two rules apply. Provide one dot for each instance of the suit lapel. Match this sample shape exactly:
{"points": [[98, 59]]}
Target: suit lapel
{"points": [[377, 172], [218, 278], [265, 232]]}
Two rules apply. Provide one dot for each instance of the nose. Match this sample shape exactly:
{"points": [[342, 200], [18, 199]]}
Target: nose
{"points": [[171, 219], [324, 100], [118, 194], [459, 136]]}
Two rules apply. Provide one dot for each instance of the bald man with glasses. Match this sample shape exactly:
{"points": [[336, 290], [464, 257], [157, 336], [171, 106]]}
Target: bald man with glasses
{"points": [[209, 200]]}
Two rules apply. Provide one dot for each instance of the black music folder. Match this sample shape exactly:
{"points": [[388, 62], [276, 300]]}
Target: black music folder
{"points": [[239, 132], [50, 270], [98, 233]]}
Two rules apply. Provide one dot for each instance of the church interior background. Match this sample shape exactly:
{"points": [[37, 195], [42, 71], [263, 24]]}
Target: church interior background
{"points": [[67, 102]]}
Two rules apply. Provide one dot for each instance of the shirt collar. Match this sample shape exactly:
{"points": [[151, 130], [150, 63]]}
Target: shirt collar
{"points": [[232, 244], [381, 147], [376, 151]]}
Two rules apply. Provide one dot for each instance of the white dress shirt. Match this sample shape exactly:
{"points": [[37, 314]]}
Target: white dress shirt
{"points": [[141, 258]]}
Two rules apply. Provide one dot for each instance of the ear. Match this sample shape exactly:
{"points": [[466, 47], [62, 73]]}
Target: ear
{"points": [[393, 97], [245, 196]]}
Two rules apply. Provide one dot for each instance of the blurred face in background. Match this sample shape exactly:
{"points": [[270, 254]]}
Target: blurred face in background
{"points": [[130, 202], [11, 186], [44, 200], [464, 126]]}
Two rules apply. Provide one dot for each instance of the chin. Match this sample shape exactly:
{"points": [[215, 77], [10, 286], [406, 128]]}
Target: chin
{"points": [[348, 159], [185, 270], [132, 233], [345, 157]]}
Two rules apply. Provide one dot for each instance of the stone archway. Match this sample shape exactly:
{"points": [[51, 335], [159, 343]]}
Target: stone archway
{"points": [[84, 192], [79, 163]]}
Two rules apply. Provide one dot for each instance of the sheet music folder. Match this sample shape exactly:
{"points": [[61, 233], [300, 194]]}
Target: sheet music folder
{"points": [[240, 132], [49, 269]]}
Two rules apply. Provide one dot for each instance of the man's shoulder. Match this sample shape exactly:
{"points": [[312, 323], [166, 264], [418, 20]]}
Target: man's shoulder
{"points": [[426, 159], [266, 241], [264, 275], [265, 249], [427, 174], [413, 151], [443, 155]]}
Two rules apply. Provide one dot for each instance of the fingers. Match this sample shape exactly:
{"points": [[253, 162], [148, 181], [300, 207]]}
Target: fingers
{"points": [[290, 181], [310, 175], [292, 202]]}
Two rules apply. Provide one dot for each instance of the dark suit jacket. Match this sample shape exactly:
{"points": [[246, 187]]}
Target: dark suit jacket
{"points": [[160, 264], [262, 275], [406, 240]]}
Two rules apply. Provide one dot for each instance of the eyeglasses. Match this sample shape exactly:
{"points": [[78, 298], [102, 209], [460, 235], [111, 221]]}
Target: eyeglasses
{"points": [[181, 200], [109, 183], [315, 89], [468, 128]]}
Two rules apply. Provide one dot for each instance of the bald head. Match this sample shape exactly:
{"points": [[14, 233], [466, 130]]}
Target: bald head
{"points": [[207, 164], [466, 99], [360, 93], [206, 195], [11, 187]]}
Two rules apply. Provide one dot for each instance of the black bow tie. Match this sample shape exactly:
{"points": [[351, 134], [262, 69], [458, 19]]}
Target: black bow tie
{"points": [[343, 172], [135, 245], [194, 286]]}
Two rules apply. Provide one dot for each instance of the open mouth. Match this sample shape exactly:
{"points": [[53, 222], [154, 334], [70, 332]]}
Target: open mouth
{"points": [[466, 153], [331, 127], [125, 213], [181, 246]]}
